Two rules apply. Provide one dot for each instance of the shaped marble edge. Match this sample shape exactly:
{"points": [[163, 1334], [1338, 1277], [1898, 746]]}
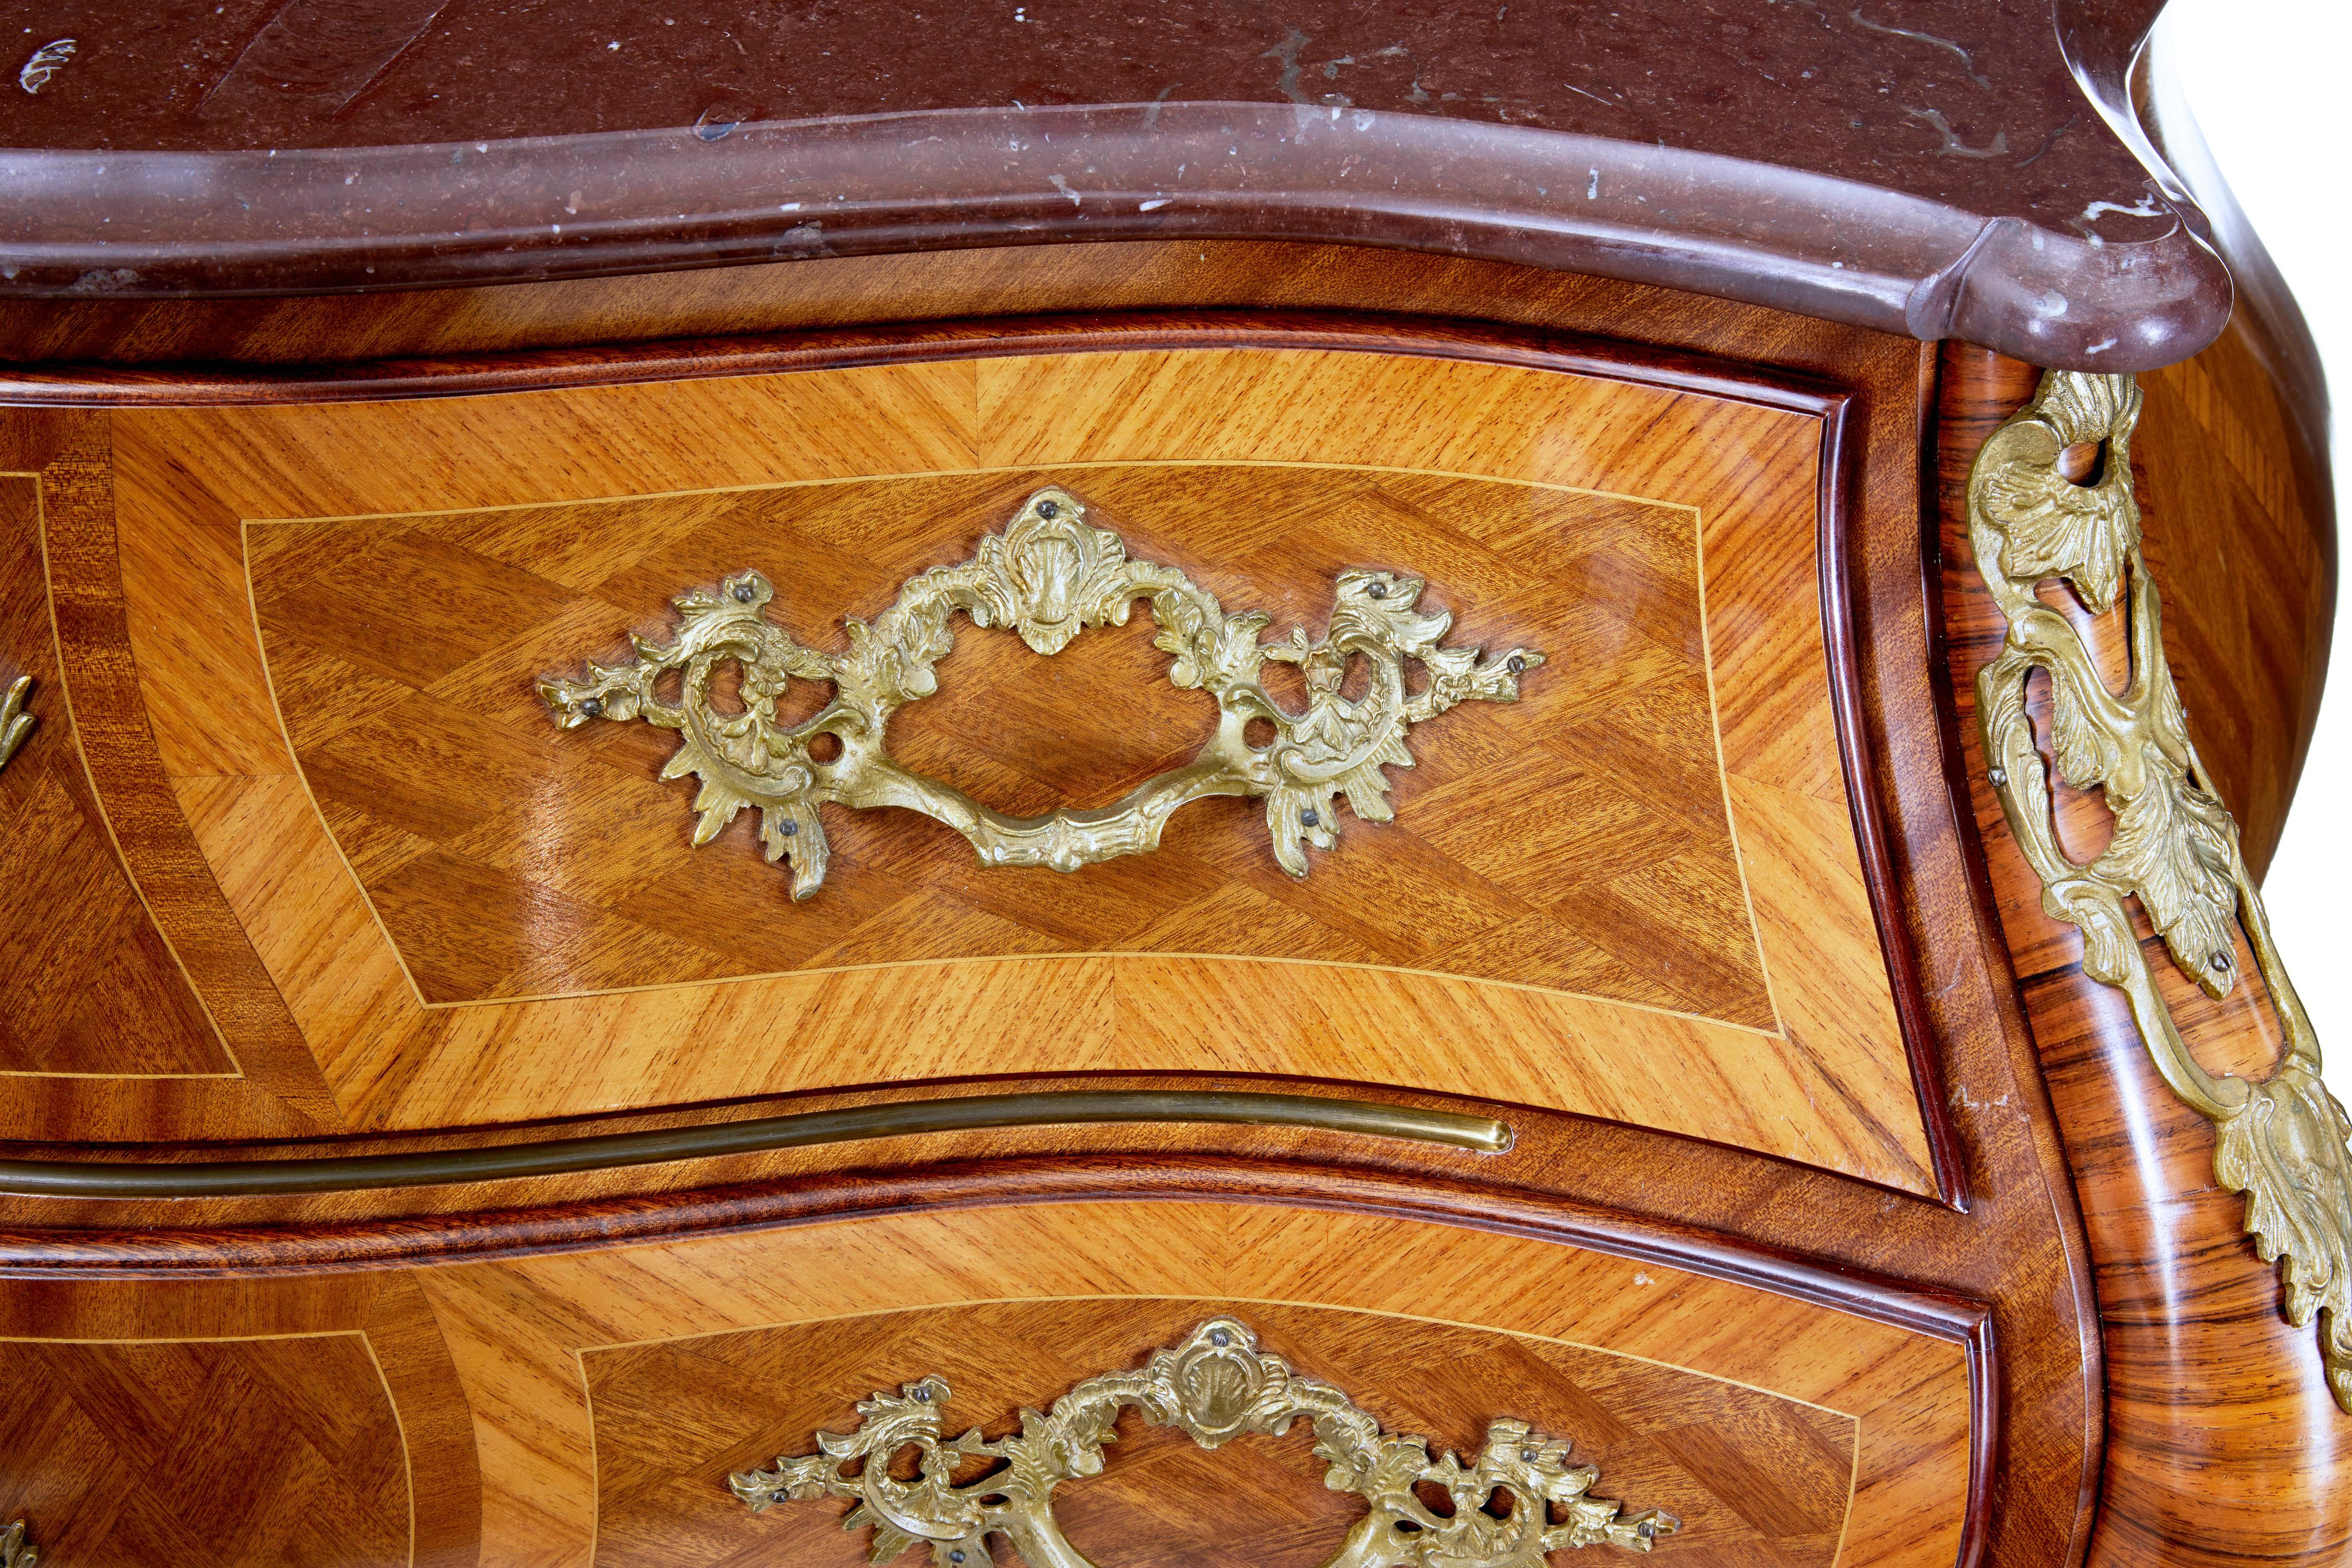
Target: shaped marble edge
{"points": [[2096, 259]]}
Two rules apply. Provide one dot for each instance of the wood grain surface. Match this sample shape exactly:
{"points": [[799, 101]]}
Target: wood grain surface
{"points": [[1752, 1476], [2223, 1443], [2234, 400], [2017, 1245], [526, 1336], [94, 988], [1832, 1085], [2241, 532], [99, 676], [561, 1410], [204, 1452], [1576, 841]]}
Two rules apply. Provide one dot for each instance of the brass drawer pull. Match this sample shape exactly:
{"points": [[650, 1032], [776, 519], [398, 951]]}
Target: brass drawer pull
{"points": [[1046, 576], [608, 1151], [1214, 1386]]}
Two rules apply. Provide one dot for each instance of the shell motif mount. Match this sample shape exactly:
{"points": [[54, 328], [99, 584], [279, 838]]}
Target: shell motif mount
{"points": [[1214, 1386], [1046, 576], [2282, 1142]]}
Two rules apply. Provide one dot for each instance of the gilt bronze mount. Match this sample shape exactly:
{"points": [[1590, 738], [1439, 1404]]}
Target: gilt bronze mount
{"points": [[2281, 1141], [1214, 1386], [15, 724], [1046, 576]]}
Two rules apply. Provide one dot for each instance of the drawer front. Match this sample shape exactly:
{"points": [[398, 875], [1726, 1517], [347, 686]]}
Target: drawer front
{"points": [[409, 897], [598, 1408]]}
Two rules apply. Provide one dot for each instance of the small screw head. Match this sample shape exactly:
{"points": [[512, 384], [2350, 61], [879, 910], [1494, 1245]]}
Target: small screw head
{"points": [[1049, 510], [1645, 1530], [742, 593], [2220, 960], [923, 1397], [1220, 1338], [1311, 818], [2000, 775], [1527, 1456], [1516, 664], [594, 708], [1376, 590], [955, 1556], [789, 827]]}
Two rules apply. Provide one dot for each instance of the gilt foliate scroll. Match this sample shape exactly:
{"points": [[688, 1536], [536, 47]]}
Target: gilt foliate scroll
{"points": [[1046, 576], [2281, 1141], [15, 724], [1214, 1386]]}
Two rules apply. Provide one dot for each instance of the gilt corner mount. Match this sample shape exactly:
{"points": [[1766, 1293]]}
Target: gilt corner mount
{"points": [[1046, 576], [2280, 1141], [1214, 1386]]}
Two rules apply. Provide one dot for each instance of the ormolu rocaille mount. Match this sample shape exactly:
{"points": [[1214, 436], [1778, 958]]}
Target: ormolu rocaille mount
{"points": [[15, 724], [2281, 1141], [1215, 1386], [1049, 575]]}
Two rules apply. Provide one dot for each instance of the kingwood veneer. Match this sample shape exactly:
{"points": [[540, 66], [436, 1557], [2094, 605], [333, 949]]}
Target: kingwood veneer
{"points": [[422, 1151]]}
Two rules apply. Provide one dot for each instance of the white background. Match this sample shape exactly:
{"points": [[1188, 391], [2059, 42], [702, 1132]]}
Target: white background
{"points": [[2265, 80]]}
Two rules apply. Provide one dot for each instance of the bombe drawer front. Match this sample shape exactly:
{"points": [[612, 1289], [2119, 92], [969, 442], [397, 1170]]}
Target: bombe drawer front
{"points": [[1207, 1381], [1411, 720]]}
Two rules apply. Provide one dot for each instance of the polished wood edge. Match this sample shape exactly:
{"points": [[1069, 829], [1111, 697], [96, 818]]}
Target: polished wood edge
{"points": [[1557, 352], [145, 824], [2264, 308], [497, 1234], [1841, 591], [1985, 1442], [437, 1428], [1944, 1315], [2267, 327], [2223, 1445], [92, 385], [246, 1178], [1984, 1447]]}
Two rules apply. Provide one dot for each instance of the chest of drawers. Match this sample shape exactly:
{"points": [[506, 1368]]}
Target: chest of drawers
{"points": [[1421, 901]]}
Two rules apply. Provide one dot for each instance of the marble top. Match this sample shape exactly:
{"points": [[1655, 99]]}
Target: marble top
{"points": [[1938, 167]]}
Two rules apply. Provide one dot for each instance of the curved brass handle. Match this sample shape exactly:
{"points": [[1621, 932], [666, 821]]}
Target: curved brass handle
{"points": [[1046, 576], [796, 1130], [1214, 1386]]}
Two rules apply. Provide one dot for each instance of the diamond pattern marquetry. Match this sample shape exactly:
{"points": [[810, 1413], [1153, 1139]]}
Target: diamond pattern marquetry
{"points": [[96, 990], [264, 1453], [1756, 1478], [1576, 841], [1636, 894]]}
